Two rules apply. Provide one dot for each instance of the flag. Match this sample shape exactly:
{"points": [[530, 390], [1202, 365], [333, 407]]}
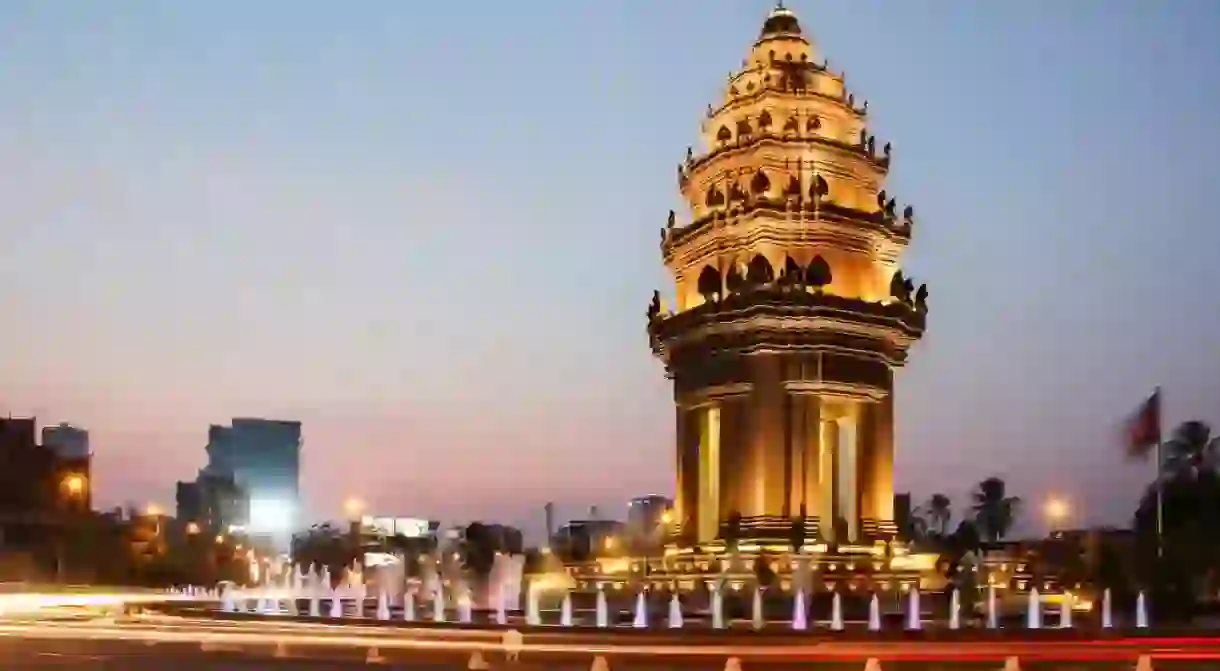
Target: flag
{"points": [[1144, 427]]}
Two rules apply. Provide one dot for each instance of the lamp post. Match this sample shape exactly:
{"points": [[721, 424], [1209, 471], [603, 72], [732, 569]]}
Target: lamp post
{"points": [[353, 507], [73, 488]]}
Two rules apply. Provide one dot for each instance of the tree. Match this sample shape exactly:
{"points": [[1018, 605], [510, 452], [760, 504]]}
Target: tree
{"points": [[939, 512], [994, 511], [1179, 563], [1191, 451], [324, 545], [965, 539], [479, 550]]}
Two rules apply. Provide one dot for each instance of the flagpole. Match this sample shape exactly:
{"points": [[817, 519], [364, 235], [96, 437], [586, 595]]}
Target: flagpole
{"points": [[1160, 486]]}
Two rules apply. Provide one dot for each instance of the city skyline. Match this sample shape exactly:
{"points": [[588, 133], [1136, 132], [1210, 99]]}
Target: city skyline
{"points": [[259, 218]]}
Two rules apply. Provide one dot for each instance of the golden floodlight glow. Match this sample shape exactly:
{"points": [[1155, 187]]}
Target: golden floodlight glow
{"points": [[75, 484], [192, 528], [1056, 509], [153, 510]]}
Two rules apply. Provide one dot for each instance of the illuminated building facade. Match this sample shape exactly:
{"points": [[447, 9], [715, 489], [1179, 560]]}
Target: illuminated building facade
{"points": [[790, 314], [38, 483], [214, 501], [45, 494], [264, 458]]}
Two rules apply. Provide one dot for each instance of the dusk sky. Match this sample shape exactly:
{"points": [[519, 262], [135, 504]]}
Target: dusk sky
{"points": [[428, 230]]}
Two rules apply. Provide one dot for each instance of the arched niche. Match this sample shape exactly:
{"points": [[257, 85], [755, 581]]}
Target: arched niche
{"points": [[760, 183], [708, 285], [819, 188], [818, 273], [759, 271]]}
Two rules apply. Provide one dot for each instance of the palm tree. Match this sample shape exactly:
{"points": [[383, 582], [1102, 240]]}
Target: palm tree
{"points": [[939, 511], [1191, 451], [994, 511]]}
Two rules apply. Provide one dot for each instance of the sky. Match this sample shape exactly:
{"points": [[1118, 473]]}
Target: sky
{"points": [[428, 231]]}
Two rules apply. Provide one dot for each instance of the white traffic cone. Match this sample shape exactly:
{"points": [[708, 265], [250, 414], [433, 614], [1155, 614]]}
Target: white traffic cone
{"points": [[477, 663]]}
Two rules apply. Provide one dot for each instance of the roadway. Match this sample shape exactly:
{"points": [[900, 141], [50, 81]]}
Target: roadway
{"points": [[183, 643]]}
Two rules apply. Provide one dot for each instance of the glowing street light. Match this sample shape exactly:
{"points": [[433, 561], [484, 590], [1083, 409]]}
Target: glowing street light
{"points": [[1056, 510], [192, 528], [74, 484], [667, 517], [353, 506], [153, 510]]}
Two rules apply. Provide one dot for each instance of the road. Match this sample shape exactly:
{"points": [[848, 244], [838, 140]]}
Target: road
{"points": [[169, 643]]}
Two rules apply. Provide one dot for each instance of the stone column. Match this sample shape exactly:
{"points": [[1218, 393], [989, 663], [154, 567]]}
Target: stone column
{"points": [[734, 443], [709, 474], [688, 461], [814, 505], [768, 448], [882, 479], [827, 447], [798, 445], [681, 506], [847, 489], [866, 461]]}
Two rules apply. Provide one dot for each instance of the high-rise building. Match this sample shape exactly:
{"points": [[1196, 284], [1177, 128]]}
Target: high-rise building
{"points": [[647, 516], [42, 492], [66, 440], [790, 314], [215, 502], [584, 538], [263, 457]]}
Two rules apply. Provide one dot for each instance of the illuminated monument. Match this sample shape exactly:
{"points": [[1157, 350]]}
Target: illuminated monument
{"points": [[790, 313]]}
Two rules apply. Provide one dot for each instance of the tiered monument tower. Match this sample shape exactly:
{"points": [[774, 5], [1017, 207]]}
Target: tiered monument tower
{"points": [[790, 314]]}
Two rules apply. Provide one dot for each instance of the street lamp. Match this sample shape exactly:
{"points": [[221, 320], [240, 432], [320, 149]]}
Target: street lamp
{"points": [[75, 485], [192, 528], [1056, 510], [353, 506]]}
